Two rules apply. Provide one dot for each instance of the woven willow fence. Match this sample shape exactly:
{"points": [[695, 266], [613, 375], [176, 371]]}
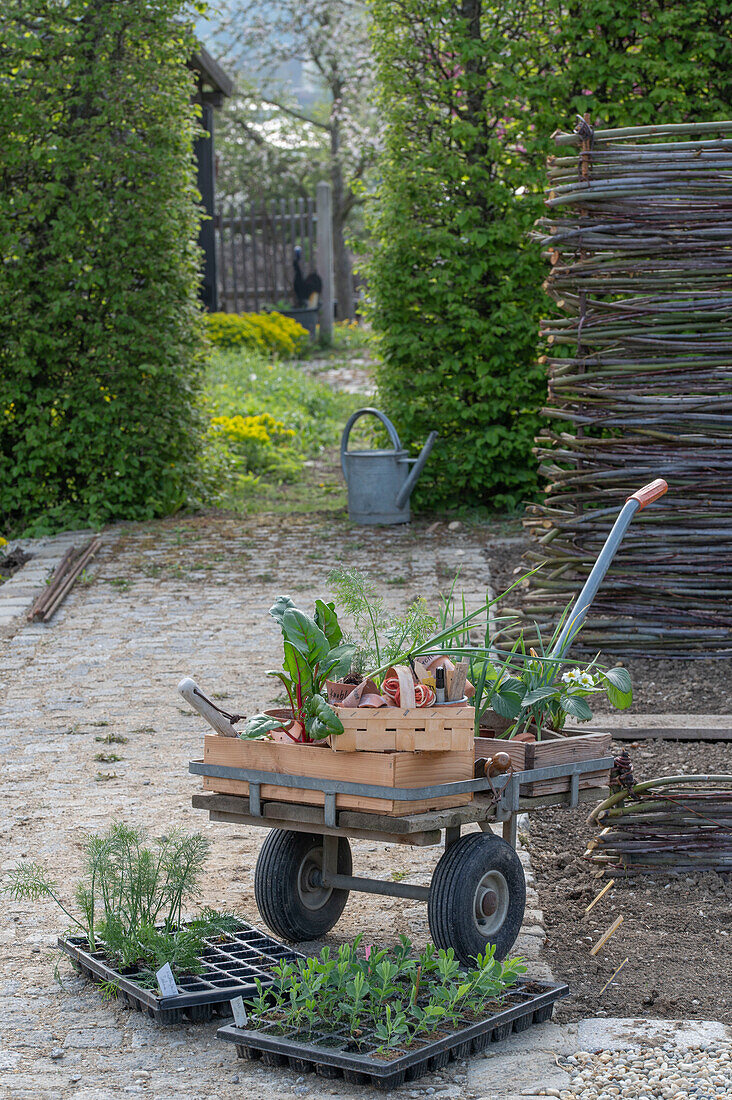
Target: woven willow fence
{"points": [[639, 236]]}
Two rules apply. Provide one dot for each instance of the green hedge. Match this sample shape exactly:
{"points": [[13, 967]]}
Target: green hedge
{"points": [[100, 332], [452, 280], [470, 94]]}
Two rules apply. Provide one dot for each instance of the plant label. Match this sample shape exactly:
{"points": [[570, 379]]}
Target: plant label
{"points": [[166, 981], [240, 1013]]}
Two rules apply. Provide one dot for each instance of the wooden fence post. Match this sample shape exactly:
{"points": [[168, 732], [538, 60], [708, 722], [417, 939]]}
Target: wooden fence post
{"points": [[324, 265]]}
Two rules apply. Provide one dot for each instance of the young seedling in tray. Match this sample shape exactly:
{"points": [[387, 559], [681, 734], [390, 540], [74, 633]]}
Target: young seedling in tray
{"points": [[387, 1017], [128, 923]]}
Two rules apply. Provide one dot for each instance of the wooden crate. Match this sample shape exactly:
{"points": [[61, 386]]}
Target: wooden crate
{"points": [[384, 769], [418, 729], [545, 754]]}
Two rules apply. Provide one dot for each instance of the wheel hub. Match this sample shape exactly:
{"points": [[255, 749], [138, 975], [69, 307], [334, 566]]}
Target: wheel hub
{"points": [[310, 889], [490, 903]]}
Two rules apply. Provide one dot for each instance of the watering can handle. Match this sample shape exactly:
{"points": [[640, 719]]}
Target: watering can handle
{"points": [[352, 420]]}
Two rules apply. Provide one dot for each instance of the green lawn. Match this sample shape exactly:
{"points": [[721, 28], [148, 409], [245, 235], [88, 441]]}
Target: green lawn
{"points": [[257, 466]]}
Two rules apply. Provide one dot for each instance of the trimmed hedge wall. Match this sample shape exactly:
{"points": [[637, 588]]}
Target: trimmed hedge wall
{"points": [[101, 338]]}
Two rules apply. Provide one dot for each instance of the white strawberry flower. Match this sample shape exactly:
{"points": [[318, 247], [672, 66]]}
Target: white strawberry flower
{"points": [[572, 676]]}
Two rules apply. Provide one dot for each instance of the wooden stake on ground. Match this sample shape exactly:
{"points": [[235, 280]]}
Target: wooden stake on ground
{"points": [[606, 936], [612, 979], [43, 597], [602, 892], [75, 572], [65, 576]]}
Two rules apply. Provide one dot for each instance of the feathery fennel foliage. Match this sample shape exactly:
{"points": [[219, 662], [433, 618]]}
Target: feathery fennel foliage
{"points": [[130, 897]]}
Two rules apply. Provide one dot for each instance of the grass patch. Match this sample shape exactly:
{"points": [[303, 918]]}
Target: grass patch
{"points": [[273, 435]]}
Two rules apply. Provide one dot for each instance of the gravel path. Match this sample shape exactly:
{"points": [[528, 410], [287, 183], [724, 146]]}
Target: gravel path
{"points": [[183, 597], [180, 598], [695, 1073]]}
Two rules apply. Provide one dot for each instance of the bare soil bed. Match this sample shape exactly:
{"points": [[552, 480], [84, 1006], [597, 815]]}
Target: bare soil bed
{"points": [[676, 931]]}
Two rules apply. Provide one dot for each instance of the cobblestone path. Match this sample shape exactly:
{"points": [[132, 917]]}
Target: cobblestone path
{"points": [[187, 597]]}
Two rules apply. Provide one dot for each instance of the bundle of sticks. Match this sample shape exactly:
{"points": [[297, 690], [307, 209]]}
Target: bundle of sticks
{"points": [[67, 572], [675, 823], [639, 363]]}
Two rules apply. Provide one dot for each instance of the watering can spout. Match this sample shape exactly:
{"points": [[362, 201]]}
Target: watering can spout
{"points": [[406, 490]]}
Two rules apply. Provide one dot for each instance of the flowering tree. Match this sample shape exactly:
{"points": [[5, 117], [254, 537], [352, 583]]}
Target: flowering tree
{"points": [[269, 129]]}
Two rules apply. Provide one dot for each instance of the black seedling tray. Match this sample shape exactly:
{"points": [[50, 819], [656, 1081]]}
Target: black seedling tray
{"points": [[332, 1054], [232, 961]]}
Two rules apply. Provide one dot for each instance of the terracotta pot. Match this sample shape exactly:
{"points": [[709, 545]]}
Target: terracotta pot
{"points": [[293, 728]]}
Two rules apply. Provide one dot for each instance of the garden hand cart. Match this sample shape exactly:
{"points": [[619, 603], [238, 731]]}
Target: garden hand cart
{"points": [[477, 892]]}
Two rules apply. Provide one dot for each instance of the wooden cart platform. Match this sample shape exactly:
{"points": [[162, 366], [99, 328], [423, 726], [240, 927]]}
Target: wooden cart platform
{"points": [[477, 893], [420, 830]]}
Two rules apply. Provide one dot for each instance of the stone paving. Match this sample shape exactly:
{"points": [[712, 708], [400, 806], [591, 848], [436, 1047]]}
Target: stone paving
{"points": [[182, 597]]}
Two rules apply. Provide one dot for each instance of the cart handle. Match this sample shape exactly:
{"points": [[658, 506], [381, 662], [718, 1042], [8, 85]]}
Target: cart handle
{"points": [[650, 492], [576, 617]]}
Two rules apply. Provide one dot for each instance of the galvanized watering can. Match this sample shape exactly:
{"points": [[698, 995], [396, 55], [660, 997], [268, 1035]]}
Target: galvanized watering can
{"points": [[380, 483]]}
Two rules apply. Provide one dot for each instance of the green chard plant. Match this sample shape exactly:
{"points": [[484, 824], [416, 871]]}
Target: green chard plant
{"points": [[313, 653]]}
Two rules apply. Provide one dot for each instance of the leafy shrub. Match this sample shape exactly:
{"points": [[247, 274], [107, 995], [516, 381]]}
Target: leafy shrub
{"points": [[471, 94], [454, 298], [255, 445], [632, 64], [267, 332], [101, 341]]}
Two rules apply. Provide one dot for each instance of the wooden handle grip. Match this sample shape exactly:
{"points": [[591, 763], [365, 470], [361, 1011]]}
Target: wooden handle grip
{"points": [[649, 493]]}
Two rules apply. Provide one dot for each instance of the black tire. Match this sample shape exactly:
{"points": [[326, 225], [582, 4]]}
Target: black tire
{"points": [[476, 873], [286, 889]]}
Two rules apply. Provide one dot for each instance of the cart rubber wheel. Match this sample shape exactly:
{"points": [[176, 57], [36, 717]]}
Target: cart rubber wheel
{"points": [[287, 885], [477, 897]]}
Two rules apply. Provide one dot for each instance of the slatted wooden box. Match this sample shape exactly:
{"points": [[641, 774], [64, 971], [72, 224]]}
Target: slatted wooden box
{"points": [[556, 749], [384, 769], [417, 729]]}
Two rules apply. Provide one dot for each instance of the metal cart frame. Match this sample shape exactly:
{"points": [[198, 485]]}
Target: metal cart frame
{"points": [[496, 800], [477, 894]]}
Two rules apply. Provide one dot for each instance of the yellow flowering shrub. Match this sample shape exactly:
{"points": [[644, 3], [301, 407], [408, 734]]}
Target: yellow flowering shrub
{"points": [[253, 429], [255, 445], [268, 332]]}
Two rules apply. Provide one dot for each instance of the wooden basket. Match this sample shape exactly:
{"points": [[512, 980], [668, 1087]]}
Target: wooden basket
{"points": [[545, 754], [418, 729], [384, 769]]}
